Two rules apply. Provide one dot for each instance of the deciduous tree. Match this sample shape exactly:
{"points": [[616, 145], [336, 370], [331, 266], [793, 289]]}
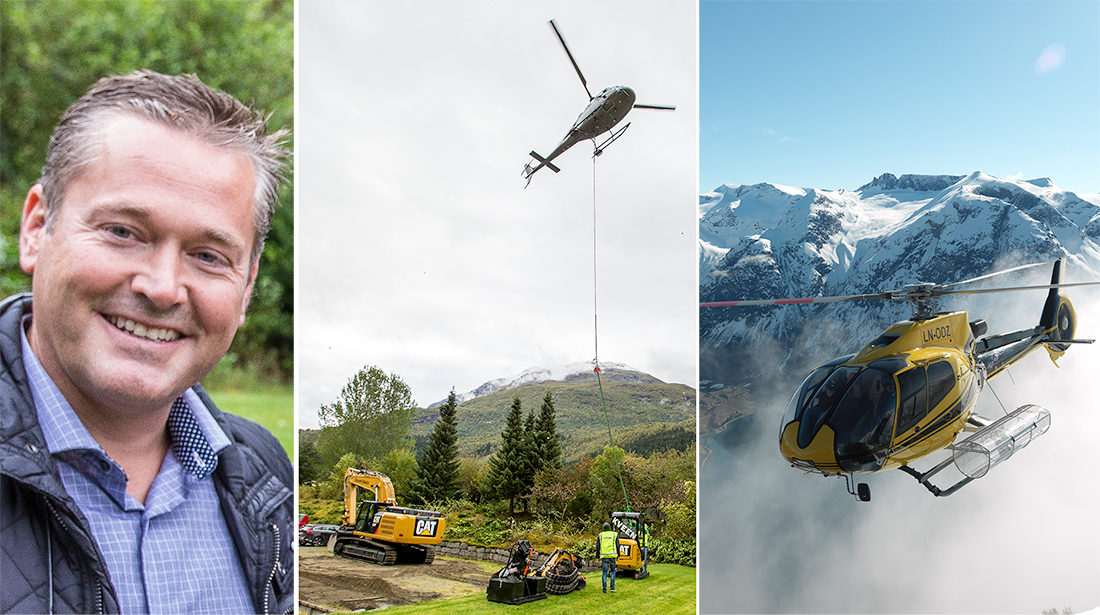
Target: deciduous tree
{"points": [[372, 417]]}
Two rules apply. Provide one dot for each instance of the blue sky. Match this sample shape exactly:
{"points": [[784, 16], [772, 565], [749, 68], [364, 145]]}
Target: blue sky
{"points": [[831, 94]]}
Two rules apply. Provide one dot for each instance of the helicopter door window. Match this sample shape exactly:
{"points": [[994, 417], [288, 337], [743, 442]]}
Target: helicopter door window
{"points": [[941, 380], [914, 398], [864, 421]]}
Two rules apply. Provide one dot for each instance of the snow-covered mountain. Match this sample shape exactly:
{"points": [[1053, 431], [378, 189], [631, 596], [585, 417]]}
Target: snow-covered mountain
{"points": [[773, 241], [619, 372]]}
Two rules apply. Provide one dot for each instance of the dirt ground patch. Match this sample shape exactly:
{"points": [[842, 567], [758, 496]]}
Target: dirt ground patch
{"points": [[346, 584]]}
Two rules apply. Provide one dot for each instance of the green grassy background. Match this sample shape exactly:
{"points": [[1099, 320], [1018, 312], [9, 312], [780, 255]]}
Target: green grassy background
{"points": [[273, 408], [669, 589]]}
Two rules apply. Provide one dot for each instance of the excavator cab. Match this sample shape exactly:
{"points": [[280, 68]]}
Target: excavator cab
{"points": [[368, 516]]}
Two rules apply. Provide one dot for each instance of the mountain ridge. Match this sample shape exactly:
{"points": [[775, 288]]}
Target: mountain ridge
{"points": [[893, 231]]}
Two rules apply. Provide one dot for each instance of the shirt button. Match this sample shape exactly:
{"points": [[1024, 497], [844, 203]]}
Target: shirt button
{"points": [[104, 465]]}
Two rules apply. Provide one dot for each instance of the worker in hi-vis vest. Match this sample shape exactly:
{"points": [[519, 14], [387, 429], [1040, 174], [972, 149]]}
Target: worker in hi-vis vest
{"points": [[643, 542], [607, 545]]}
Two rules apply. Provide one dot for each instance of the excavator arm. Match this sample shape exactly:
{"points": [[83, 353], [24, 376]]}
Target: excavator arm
{"points": [[377, 483]]}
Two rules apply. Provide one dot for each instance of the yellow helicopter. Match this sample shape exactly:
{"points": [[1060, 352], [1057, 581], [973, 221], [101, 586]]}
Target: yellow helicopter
{"points": [[911, 391]]}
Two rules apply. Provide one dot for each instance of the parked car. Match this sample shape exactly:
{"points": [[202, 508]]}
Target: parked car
{"points": [[316, 534]]}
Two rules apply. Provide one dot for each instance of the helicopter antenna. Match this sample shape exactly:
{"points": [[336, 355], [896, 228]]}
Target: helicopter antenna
{"points": [[570, 54]]}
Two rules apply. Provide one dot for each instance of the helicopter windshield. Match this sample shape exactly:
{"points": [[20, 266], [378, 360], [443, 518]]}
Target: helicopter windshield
{"points": [[820, 406], [864, 421], [808, 388]]}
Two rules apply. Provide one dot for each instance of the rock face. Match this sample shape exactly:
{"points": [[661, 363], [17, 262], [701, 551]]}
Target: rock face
{"points": [[492, 554], [772, 241]]}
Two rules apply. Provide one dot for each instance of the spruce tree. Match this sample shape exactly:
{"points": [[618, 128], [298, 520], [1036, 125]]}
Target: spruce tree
{"points": [[437, 467], [507, 465], [549, 443], [532, 463]]}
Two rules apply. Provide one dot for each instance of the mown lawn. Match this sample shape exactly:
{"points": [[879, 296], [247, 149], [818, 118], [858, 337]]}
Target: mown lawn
{"points": [[669, 589], [273, 408]]}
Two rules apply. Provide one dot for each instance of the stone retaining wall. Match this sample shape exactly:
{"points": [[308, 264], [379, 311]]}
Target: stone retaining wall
{"points": [[489, 554]]}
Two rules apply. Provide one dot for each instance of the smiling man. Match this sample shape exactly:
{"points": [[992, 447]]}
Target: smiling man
{"points": [[124, 489]]}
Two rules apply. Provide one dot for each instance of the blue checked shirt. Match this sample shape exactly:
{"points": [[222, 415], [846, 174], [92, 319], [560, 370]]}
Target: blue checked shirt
{"points": [[174, 553]]}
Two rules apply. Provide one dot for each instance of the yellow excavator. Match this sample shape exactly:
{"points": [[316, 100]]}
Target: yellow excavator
{"points": [[380, 531]]}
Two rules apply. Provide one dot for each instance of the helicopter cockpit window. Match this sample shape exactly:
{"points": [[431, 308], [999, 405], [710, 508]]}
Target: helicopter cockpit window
{"points": [[864, 420], [941, 379], [884, 340], [914, 398], [819, 407], [808, 388]]}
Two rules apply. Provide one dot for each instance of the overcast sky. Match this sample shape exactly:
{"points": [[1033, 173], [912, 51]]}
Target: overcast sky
{"points": [[831, 94], [418, 248]]}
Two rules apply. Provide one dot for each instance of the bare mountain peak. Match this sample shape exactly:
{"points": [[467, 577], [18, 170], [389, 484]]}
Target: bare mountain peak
{"points": [[918, 183]]}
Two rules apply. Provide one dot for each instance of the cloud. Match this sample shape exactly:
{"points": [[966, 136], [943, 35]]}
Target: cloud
{"points": [[780, 137], [1051, 59], [778, 540]]}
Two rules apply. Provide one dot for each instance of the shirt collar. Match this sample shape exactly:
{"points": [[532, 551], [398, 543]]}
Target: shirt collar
{"points": [[195, 435]]}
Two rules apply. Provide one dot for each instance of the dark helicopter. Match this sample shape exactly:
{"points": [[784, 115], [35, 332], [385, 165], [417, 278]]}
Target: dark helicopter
{"points": [[912, 390], [603, 112]]}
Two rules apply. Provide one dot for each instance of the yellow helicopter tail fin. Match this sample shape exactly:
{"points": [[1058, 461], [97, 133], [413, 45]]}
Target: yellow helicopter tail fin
{"points": [[1059, 320]]}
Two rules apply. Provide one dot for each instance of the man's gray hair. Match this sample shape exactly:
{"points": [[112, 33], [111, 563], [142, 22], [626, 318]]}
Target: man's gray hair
{"points": [[182, 102]]}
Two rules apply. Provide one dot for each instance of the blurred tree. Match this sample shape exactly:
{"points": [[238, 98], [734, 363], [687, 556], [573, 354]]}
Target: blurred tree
{"points": [[309, 463], [52, 52], [471, 474]]}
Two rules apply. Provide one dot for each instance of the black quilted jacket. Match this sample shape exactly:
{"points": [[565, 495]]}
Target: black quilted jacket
{"points": [[49, 562]]}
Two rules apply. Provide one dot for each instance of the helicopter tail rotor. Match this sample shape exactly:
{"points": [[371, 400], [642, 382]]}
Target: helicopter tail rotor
{"points": [[1059, 319], [529, 170]]}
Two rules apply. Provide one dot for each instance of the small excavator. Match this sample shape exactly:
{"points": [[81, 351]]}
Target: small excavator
{"points": [[380, 531], [633, 529]]}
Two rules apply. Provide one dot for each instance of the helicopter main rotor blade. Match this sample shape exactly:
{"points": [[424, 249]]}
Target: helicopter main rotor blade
{"points": [[995, 273], [661, 107], [758, 302], [570, 54], [977, 291]]}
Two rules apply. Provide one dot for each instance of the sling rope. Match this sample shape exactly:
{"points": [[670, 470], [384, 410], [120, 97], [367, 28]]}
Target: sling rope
{"points": [[596, 335]]}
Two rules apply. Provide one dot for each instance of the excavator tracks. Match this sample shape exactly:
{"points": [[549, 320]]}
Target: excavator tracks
{"points": [[382, 553], [367, 550]]}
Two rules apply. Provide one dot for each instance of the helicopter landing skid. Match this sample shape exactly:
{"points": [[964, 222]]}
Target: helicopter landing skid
{"points": [[923, 478], [615, 135]]}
